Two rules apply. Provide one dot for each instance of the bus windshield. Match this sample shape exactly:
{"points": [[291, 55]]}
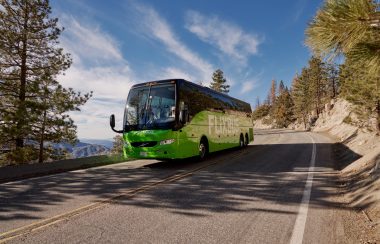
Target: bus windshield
{"points": [[150, 107]]}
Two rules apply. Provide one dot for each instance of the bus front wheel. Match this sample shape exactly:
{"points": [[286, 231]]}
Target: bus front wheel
{"points": [[203, 148], [246, 142]]}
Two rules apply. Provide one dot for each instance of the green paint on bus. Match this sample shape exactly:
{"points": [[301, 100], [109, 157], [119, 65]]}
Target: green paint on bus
{"points": [[170, 119]]}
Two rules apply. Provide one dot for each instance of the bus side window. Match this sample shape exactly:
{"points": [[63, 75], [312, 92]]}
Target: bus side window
{"points": [[187, 101]]}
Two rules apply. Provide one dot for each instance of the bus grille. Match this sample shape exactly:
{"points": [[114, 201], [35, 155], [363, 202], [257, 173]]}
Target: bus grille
{"points": [[144, 144]]}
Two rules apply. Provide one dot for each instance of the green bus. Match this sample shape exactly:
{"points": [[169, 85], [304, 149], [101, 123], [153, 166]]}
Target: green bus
{"points": [[175, 119]]}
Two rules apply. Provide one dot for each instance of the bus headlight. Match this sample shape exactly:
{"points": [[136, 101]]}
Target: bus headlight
{"points": [[167, 142]]}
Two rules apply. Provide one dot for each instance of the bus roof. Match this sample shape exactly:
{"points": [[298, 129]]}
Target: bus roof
{"points": [[204, 88]]}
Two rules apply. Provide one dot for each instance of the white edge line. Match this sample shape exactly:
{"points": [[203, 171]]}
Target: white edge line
{"points": [[299, 226]]}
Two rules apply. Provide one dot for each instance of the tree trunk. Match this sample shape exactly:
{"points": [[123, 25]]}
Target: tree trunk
{"points": [[42, 139], [378, 104], [21, 113], [378, 116], [333, 87]]}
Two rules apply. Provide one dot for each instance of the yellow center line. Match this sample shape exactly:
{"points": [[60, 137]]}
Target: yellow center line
{"points": [[6, 236]]}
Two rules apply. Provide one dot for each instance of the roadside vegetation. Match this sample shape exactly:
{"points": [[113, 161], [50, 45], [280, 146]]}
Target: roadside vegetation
{"points": [[117, 146], [343, 66], [33, 105]]}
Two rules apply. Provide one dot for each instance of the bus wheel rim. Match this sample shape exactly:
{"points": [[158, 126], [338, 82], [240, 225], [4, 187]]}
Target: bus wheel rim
{"points": [[202, 150]]}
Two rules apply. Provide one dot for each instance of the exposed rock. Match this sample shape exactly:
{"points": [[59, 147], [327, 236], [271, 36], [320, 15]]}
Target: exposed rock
{"points": [[357, 136], [260, 123], [334, 117]]}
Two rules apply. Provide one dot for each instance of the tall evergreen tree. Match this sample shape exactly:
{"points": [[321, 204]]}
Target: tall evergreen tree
{"points": [[333, 79], [272, 92], [29, 56], [219, 83], [257, 102], [301, 97], [281, 87], [317, 79], [282, 110]]}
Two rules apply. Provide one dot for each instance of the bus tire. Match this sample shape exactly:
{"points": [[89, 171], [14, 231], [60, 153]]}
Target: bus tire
{"points": [[241, 141], [246, 142], [203, 148]]}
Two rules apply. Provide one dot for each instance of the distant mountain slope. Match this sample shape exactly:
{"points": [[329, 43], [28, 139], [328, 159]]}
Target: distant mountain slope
{"points": [[85, 149], [106, 143], [67, 146], [89, 150]]}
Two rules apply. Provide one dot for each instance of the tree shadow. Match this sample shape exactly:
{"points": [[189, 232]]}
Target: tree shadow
{"points": [[343, 156], [276, 131], [274, 174]]}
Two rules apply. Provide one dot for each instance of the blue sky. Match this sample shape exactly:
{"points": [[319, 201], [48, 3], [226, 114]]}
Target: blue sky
{"points": [[116, 43]]}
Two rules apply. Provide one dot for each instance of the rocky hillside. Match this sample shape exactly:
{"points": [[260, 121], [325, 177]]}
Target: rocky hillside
{"points": [[340, 121]]}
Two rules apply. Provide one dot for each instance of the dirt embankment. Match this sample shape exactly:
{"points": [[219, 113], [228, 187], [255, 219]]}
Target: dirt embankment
{"points": [[358, 157]]}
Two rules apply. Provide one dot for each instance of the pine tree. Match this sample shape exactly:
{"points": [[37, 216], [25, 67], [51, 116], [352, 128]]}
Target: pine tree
{"points": [[273, 92], [333, 79], [301, 97], [219, 83], [282, 110], [261, 111], [281, 88], [257, 102], [54, 125], [117, 147], [347, 27], [351, 28], [29, 56], [361, 88], [267, 100], [317, 79]]}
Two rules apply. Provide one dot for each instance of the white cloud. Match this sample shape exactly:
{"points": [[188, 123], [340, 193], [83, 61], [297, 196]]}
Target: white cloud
{"points": [[157, 28], [88, 42], [247, 86], [98, 66], [229, 38], [106, 82], [173, 72]]}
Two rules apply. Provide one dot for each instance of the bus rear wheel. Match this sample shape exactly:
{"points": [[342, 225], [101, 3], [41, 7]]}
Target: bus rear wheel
{"points": [[241, 141], [203, 148]]}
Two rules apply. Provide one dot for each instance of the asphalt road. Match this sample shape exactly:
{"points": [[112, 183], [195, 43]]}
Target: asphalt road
{"points": [[279, 189]]}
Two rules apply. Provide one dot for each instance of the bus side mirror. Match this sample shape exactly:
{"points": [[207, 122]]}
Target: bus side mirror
{"points": [[112, 121], [112, 124]]}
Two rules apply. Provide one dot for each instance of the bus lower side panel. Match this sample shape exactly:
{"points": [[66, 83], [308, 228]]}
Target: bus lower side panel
{"points": [[186, 147]]}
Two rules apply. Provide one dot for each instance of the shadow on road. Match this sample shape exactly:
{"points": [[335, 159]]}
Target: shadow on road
{"points": [[276, 131], [272, 173]]}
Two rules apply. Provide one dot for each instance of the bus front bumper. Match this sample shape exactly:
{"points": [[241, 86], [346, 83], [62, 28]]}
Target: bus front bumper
{"points": [[157, 152]]}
